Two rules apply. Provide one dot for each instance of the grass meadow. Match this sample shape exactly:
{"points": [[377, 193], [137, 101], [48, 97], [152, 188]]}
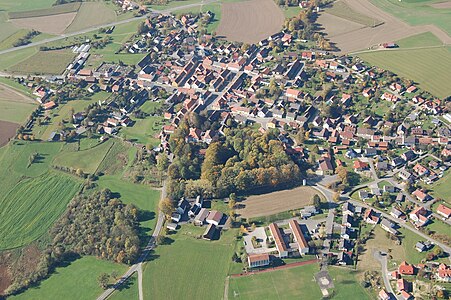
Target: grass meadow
{"points": [[427, 67], [44, 62], [189, 268], [128, 291], [77, 280]]}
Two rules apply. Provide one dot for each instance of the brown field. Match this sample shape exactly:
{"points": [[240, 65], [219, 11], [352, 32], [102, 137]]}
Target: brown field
{"points": [[444, 5], [54, 24], [350, 38], [250, 21], [276, 202], [9, 94], [7, 131]]}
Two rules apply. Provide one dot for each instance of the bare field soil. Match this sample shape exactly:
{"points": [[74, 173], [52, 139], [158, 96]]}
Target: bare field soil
{"points": [[444, 5], [8, 94], [354, 39], [7, 131], [54, 24], [276, 202], [250, 21]]}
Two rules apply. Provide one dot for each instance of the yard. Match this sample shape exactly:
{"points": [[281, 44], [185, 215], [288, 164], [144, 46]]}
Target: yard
{"points": [[78, 280], [293, 283], [44, 62], [189, 268], [276, 202], [31, 207], [428, 67]]}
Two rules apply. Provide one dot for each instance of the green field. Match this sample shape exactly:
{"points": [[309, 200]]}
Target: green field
{"points": [[92, 14], [426, 39], [16, 112], [24, 5], [189, 268], [427, 67], [13, 58], [346, 285], [53, 10], [442, 189], [144, 198], [291, 11], [31, 207], [417, 12], [144, 131], [342, 10], [86, 160], [294, 283], [78, 280], [44, 62]]}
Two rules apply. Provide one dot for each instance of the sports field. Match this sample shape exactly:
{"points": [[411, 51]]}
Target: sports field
{"points": [[293, 283], [44, 62], [430, 68], [276, 202], [31, 207], [78, 280], [198, 267]]}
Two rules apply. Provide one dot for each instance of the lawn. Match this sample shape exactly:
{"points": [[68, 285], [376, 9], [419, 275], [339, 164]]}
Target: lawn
{"points": [[86, 160], [189, 268], [44, 62], [143, 197], [78, 280], [428, 67], [31, 207], [417, 12], [293, 283]]}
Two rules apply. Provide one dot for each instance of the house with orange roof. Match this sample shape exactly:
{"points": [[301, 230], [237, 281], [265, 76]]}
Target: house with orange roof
{"points": [[444, 211], [406, 269]]}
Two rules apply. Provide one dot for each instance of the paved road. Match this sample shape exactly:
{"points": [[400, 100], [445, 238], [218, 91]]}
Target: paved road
{"points": [[93, 28], [138, 266], [382, 259]]}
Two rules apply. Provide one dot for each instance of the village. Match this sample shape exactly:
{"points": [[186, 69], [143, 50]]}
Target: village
{"points": [[373, 138]]}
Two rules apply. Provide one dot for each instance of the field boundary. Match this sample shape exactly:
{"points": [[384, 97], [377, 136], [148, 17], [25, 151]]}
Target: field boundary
{"points": [[287, 266]]}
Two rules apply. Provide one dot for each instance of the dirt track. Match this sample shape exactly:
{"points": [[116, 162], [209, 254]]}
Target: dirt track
{"points": [[276, 202], [250, 21], [55, 24], [393, 29]]}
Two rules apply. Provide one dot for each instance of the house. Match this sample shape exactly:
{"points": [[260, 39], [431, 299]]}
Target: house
{"points": [[420, 170], [258, 260], [399, 197], [371, 216], [278, 239], [389, 188], [347, 220], [325, 167], [172, 226], [403, 285], [370, 152], [421, 247], [210, 232], [199, 220], [364, 195], [406, 269], [49, 105], [405, 175], [345, 232], [344, 258], [422, 196], [345, 245], [182, 206], [397, 161], [298, 237], [348, 209], [396, 213], [308, 211], [214, 217], [389, 226], [444, 211], [443, 273], [360, 166], [420, 216], [176, 217], [406, 295], [383, 295]]}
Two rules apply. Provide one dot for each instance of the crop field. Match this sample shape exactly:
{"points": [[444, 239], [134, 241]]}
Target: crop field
{"points": [[7, 28], [426, 39], [293, 283], [250, 21], [419, 12], [343, 10], [189, 260], [427, 67], [349, 36], [78, 280], [276, 202], [31, 207], [44, 62], [14, 107], [86, 160], [92, 14], [53, 24], [7, 131], [116, 159], [52, 10]]}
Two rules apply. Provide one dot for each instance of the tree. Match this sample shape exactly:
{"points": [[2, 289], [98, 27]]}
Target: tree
{"points": [[103, 280], [317, 201], [438, 251], [166, 207], [232, 204]]}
